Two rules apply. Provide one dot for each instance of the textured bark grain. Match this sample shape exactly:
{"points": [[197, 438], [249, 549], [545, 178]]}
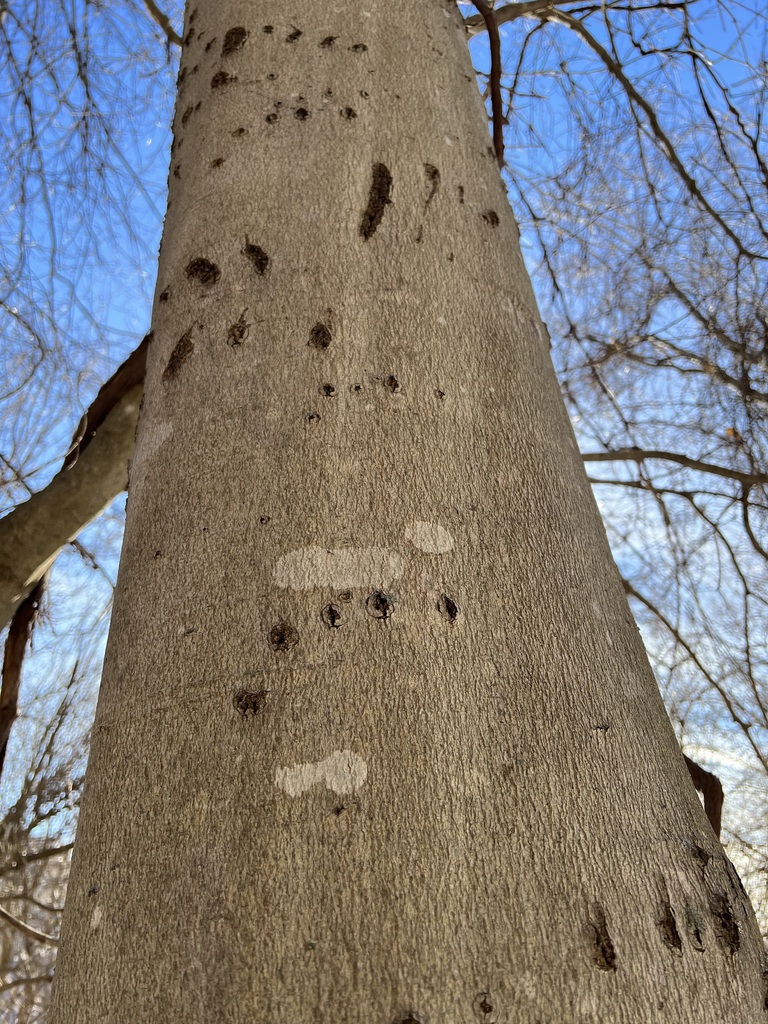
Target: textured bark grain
{"points": [[377, 739]]}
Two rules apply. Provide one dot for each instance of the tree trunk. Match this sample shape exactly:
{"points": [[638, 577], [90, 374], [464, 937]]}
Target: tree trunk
{"points": [[377, 739]]}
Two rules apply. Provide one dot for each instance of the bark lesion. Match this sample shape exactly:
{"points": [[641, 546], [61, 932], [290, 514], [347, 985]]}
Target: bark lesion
{"points": [[378, 200]]}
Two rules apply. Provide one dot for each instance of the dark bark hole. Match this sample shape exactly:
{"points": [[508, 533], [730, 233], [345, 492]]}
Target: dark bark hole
{"points": [[164, 295], [491, 217], [183, 349], [349, 113], [217, 162], [203, 270], [283, 636], [272, 118], [378, 200], [448, 608], [264, 520], [440, 394], [222, 78], [296, 34], [257, 256], [484, 1003], [726, 929], [329, 41], [461, 194], [603, 952], [345, 595], [187, 114], [392, 384], [93, 891], [268, 30], [328, 390], [239, 132], [320, 336], [249, 702], [358, 48], [332, 616], [379, 605], [356, 388], [668, 928], [313, 417], [233, 40], [301, 114]]}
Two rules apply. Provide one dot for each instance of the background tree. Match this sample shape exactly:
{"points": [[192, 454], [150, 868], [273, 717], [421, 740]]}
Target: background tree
{"points": [[635, 157]]}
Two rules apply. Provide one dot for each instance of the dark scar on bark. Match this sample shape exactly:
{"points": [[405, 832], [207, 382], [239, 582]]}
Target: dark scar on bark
{"points": [[182, 351], [378, 200], [667, 926], [725, 926], [234, 39], [222, 78], [603, 951], [250, 702], [203, 270], [433, 181], [257, 256]]}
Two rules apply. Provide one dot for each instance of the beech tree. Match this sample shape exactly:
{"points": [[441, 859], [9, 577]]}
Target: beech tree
{"points": [[633, 331], [399, 477]]}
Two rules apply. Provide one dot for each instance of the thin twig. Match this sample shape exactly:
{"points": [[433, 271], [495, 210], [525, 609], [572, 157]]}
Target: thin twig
{"points": [[27, 929]]}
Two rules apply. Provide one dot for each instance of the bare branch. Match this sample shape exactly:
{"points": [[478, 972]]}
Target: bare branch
{"points": [[637, 99], [734, 710], [27, 929], [641, 454], [163, 21], [34, 533], [485, 7], [20, 631], [711, 789]]}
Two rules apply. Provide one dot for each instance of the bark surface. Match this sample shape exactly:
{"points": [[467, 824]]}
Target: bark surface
{"points": [[377, 739]]}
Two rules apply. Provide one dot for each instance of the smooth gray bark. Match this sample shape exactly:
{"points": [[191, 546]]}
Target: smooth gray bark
{"points": [[377, 738]]}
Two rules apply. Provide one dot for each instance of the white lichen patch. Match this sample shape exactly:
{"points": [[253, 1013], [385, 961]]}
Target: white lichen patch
{"points": [[431, 538], [151, 438], [343, 772], [96, 917], [340, 568]]}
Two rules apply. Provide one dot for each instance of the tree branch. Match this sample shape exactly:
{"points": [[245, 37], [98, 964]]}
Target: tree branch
{"points": [[27, 929], [485, 7], [528, 9], [163, 21], [641, 454], [22, 624], [711, 789], [614, 68], [94, 473]]}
